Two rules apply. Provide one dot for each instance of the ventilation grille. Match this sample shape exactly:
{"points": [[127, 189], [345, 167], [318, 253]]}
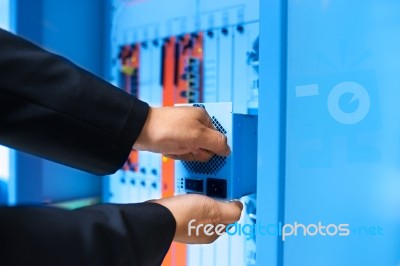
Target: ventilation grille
{"points": [[212, 166], [218, 125]]}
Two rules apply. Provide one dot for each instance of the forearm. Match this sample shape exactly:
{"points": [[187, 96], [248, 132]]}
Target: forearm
{"points": [[51, 108], [132, 234]]}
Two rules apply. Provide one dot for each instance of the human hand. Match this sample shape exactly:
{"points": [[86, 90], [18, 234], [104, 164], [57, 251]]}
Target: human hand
{"points": [[205, 211], [183, 133]]}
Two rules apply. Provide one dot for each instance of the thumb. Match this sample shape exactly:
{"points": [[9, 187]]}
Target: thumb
{"points": [[231, 211]]}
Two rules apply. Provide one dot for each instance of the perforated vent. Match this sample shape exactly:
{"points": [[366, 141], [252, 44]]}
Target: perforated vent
{"points": [[218, 125], [212, 166]]}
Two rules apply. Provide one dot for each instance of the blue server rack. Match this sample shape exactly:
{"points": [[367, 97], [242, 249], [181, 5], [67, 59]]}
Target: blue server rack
{"points": [[229, 73]]}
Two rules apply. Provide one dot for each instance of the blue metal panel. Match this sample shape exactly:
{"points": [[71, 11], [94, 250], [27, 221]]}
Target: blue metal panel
{"points": [[225, 66], [245, 76], [28, 21], [329, 141], [271, 128], [343, 64], [211, 66], [227, 12]]}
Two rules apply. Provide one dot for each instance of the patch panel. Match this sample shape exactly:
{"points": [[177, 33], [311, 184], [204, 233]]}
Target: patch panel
{"points": [[192, 52]]}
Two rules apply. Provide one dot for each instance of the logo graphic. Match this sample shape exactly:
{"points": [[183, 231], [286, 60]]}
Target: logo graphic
{"points": [[348, 102], [282, 230]]}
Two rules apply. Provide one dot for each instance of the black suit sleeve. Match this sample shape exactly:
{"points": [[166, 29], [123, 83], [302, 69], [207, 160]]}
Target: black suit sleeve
{"points": [[103, 235], [51, 108], [58, 111]]}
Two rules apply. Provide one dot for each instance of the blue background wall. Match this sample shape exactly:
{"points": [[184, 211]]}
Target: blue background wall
{"points": [[329, 136], [74, 29]]}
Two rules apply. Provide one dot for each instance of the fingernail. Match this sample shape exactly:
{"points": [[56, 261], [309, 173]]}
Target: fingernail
{"points": [[238, 202], [229, 151]]}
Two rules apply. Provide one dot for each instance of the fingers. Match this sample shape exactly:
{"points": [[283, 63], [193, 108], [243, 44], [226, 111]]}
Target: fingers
{"points": [[214, 142], [205, 119], [199, 155], [193, 212]]}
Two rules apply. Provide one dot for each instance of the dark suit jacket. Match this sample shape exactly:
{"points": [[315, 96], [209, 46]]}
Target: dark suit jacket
{"points": [[56, 110]]}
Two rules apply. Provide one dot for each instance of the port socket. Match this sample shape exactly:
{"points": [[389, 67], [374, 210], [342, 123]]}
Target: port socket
{"points": [[216, 188], [194, 185]]}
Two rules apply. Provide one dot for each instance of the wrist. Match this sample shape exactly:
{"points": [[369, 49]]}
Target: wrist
{"points": [[141, 142]]}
